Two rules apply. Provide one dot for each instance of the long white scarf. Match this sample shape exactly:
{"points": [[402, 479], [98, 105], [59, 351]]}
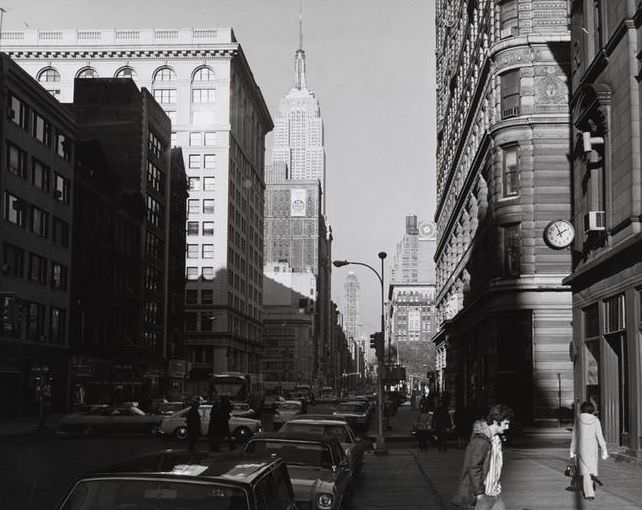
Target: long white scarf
{"points": [[493, 487]]}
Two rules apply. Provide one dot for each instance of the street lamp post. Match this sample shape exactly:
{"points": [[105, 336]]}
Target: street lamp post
{"points": [[381, 442]]}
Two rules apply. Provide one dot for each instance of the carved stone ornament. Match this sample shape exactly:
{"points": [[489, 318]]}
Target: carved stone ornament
{"points": [[550, 89]]}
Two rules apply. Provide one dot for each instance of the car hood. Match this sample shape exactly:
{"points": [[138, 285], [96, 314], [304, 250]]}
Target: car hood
{"points": [[308, 481], [349, 414]]}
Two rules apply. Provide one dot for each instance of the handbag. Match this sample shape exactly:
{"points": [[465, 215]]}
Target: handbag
{"points": [[571, 469]]}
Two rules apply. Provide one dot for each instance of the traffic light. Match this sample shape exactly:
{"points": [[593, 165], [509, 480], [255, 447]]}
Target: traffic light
{"points": [[376, 343]]}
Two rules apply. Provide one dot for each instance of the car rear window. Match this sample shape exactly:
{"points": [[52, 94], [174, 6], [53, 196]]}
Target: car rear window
{"points": [[352, 408], [307, 454], [337, 431], [122, 494]]}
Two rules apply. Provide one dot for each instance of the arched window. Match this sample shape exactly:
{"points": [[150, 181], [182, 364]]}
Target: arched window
{"points": [[48, 75], [203, 73], [87, 72], [164, 74], [126, 72]]}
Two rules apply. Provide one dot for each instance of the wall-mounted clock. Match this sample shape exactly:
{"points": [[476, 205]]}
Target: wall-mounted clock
{"points": [[559, 234]]}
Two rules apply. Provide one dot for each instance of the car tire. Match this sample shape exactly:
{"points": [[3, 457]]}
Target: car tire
{"points": [[180, 433], [242, 434]]}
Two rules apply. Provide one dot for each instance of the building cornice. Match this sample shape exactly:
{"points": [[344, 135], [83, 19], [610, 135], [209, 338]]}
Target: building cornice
{"points": [[228, 51]]}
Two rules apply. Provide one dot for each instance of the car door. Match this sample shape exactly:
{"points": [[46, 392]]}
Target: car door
{"points": [[343, 472]]}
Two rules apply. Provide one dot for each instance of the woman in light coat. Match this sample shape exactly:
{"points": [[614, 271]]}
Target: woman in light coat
{"points": [[587, 435]]}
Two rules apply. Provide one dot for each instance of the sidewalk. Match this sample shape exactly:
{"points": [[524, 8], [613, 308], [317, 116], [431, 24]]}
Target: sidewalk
{"points": [[19, 425]]}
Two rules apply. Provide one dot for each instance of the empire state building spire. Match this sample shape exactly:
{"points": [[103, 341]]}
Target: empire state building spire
{"points": [[299, 57]]}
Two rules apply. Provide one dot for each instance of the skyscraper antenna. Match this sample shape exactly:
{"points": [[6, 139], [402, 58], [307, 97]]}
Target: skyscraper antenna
{"points": [[301, 25]]}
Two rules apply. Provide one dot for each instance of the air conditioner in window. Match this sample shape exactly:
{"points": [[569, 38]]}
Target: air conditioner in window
{"points": [[594, 221], [57, 193], [510, 112]]}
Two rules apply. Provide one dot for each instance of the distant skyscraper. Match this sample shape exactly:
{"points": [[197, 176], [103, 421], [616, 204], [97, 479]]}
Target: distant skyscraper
{"points": [[351, 289], [413, 262], [298, 133]]}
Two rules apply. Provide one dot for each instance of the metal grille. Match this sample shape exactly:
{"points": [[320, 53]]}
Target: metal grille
{"points": [[614, 316]]}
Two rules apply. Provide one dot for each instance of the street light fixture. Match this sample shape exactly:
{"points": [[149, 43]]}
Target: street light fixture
{"points": [[381, 442]]}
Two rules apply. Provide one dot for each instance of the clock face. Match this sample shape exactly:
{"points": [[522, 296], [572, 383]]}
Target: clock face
{"points": [[559, 234]]}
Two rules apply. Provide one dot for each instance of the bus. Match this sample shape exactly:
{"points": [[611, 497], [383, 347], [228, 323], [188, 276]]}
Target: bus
{"points": [[237, 387]]}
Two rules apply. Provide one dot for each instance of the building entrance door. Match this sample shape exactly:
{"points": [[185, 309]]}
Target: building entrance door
{"points": [[616, 401]]}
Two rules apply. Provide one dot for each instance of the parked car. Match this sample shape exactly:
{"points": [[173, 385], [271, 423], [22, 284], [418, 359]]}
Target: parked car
{"points": [[108, 420], [335, 427], [357, 414], [317, 465], [175, 426], [185, 480], [272, 402], [168, 408], [286, 411], [327, 398], [242, 409]]}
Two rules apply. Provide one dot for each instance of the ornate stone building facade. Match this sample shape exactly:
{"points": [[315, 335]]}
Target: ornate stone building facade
{"points": [[502, 133], [607, 212]]}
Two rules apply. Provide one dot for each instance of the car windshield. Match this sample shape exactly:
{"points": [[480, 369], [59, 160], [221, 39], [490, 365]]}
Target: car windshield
{"points": [[122, 494], [240, 407], [350, 408], [336, 431], [292, 452], [290, 407]]}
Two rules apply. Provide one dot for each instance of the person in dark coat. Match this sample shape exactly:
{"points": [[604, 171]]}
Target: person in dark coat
{"points": [[479, 484], [219, 426], [441, 422], [193, 425]]}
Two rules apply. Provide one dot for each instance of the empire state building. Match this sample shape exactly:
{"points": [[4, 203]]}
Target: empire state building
{"points": [[298, 131]]}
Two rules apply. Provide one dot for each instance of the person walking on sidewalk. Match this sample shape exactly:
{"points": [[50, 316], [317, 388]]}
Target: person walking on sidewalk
{"points": [[442, 423], [479, 486], [422, 428], [586, 437], [219, 426], [193, 420]]}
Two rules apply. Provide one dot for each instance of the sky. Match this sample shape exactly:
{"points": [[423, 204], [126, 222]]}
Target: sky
{"points": [[371, 65]]}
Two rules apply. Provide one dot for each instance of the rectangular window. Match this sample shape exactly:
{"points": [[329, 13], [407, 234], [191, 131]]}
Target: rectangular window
{"points": [[13, 260], [191, 273], [37, 268], [16, 161], [202, 96], [60, 230], [63, 146], [195, 161], [511, 171], [154, 145], [172, 139], [192, 251], [165, 96], [207, 321], [15, 209], [195, 139], [193, 206], [210, 161], [41, 129], [508, 17], [58, 276], [208, 228], [155, 178], [208, 206], [190, 321], [171, 114], [510, 89], [57, 323], [512, 249], [39, 224], [192, 228], [208, 251], [61, 188], [210, 139], [40, 175], [614, 314], [207, 297], [194, 183], [208, 183], [17, 112], [191, 297], [152, 279], [153, 245], [208, 273], [35, 321], [154, 212]]}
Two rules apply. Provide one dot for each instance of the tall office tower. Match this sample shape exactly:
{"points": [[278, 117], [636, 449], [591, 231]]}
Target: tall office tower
{"points": [[502, 176], [411, 295], [607, 205], [37, 136], [351, 315], [204, 83], [298, 129]]}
